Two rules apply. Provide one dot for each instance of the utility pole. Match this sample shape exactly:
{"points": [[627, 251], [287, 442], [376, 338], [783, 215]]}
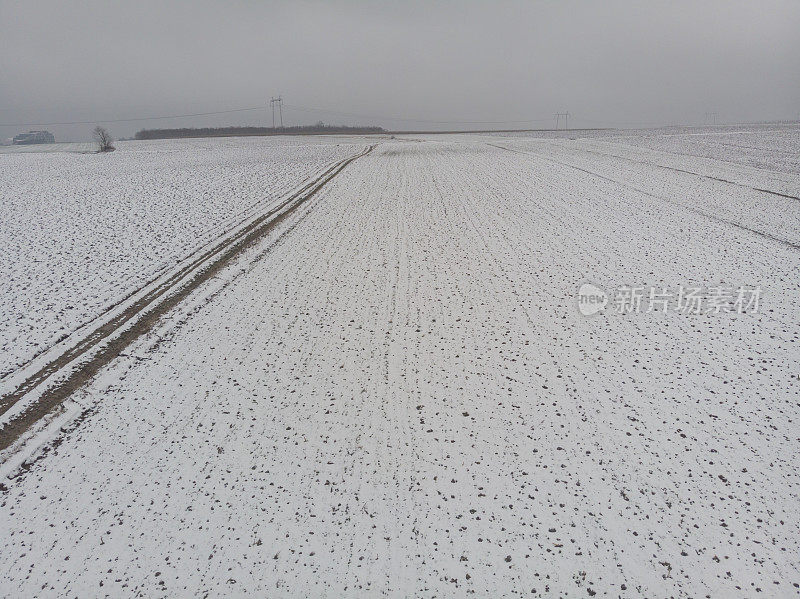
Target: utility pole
{"points": [[711, 117], [279, 101], [566, 119]]}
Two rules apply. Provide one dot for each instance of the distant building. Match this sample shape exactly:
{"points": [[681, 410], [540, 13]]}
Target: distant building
{"points": [[34, 137]]}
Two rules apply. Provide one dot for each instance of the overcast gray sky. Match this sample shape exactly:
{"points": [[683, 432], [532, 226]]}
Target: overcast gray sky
{"points": [[610, 62]]}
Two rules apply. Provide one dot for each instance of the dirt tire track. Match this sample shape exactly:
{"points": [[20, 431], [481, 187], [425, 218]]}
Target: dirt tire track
{"points": [[208, 247], [145, 313]]}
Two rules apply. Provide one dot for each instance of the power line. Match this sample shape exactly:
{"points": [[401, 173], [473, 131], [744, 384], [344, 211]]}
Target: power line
{"points": [[616, 121], [281, 104], [409, 120], [128, 120]]}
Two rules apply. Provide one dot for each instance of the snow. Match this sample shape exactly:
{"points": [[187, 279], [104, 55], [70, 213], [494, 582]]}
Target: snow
{"points": [[77, 147], [770, 147], [80, 232], [394, 392]]}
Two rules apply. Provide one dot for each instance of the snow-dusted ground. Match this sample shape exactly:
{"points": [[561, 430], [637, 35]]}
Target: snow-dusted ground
{"points": [[767, 146], [81, 147], [79, 232], [399, 397], [771, 147]]}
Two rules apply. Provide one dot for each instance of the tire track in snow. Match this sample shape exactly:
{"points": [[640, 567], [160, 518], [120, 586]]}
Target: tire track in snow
{"points": [[318, 492], [118, 333], [784, 242], [680, 170]]}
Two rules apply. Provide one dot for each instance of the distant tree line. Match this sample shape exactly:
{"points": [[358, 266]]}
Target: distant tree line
{"points": [[319, 128]]}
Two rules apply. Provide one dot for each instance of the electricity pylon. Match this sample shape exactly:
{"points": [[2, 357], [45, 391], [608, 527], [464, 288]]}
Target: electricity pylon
{"points": [[279, 101]]}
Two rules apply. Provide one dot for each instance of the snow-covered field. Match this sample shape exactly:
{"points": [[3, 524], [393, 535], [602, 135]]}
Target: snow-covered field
{"points": [[393, 393], [78, 232], [770, 147], [80, 147]]}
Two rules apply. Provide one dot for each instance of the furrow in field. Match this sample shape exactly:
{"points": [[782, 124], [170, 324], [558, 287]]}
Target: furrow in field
{"points": [[777, 224], [399, 396], [85, 359]]}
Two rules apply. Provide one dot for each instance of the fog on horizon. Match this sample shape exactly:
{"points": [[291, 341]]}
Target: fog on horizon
{"points": [[412, 65]]}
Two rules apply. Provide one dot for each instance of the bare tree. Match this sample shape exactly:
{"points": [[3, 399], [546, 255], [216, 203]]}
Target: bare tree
{"points": [[105, 143]]}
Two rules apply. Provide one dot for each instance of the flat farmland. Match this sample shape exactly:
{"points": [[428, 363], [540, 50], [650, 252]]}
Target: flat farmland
{"points": [[78, 232], [383, 383]]}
